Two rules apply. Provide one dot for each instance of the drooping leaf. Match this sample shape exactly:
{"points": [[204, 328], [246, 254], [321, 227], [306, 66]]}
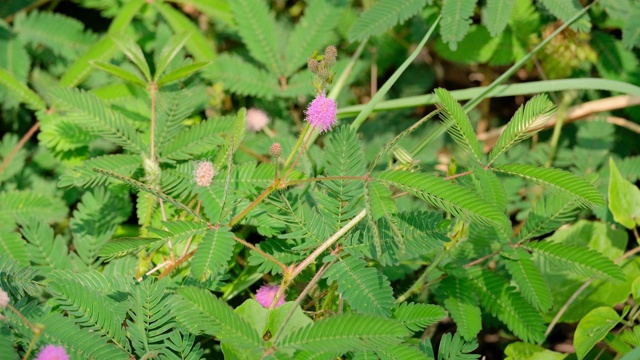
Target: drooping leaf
{"points": [[529, 281], [213, 253]]}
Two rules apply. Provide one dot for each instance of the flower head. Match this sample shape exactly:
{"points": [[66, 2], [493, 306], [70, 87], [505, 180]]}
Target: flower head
{"points": [[321, 113], [265, 295], [204, 173], [256, 120], [52, 352], [275, 149], [4, 298]]}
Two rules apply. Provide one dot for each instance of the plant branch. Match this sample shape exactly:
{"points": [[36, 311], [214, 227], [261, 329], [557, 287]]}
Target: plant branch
{"points": [[19, 146], [254, 248]]}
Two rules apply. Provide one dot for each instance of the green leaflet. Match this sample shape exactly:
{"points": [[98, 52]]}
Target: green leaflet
{"points": [[348, 332], [561, 182], [447, 196], [366, 289], [583, 261], [213, 253], [456, 20], [593, 328]]}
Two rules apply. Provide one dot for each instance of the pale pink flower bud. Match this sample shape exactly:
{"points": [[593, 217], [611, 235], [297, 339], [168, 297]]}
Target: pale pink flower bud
{"points": [[256, 120], [276, 149], [4, 298], [322, 112], [52, 352], [265, 295], [204, 173]]}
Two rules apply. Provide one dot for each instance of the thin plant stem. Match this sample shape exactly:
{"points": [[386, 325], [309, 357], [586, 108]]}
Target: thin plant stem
{"points": [[303, 294], [19, 146], [419, 284], [293, 271], [458, 175], [158, 267], [303, 148], [268, 256], [294, 151], [153, 87], [253, 204]]}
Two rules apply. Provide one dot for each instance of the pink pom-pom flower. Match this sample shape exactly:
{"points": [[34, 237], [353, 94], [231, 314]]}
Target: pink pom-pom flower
{"points": [[321, 113], [265, 295], [52, 352]]}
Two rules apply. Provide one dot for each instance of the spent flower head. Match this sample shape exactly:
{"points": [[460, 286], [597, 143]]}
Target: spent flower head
{"points": [[321, 113], [256, 120], [204, 173], [265, 295], [52, 352], [4, 298]]}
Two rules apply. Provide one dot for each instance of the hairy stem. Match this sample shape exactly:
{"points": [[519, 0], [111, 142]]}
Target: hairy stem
{"points": [[419, 284]]}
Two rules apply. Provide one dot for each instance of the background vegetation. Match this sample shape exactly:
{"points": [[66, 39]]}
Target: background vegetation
{"points": [[495, 218]]}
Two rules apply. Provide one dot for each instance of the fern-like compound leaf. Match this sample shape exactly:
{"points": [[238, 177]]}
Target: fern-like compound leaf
{"points": [[12, 244], [45, 249], [93, 301], [529, 281], [456, 18], [366, 289], [344, 333], [565, 10], [524, 124], [199, 311], [559, 181], [61, 330], [549, 214], [84, 176], [21, 205], [150, 318], [416, 317], [458, 124], [489, 186], [463, 306], [497, 14], [449, 197], [241, 77], [258, 32], [581, 260], [382, 16], [179, 230], [88, 111], [213, 253], [400, 352], [63, 35], [22, 91], [117, 248], [17, 280], [182, 347], [505, 302]]}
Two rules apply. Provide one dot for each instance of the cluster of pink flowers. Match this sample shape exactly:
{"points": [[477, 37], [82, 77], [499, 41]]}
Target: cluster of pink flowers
{"points": [[52, 352], [265, 295], [321, 113]]}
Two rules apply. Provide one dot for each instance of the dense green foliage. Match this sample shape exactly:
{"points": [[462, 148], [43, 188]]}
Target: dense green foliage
{"points": [[145, 205]]}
